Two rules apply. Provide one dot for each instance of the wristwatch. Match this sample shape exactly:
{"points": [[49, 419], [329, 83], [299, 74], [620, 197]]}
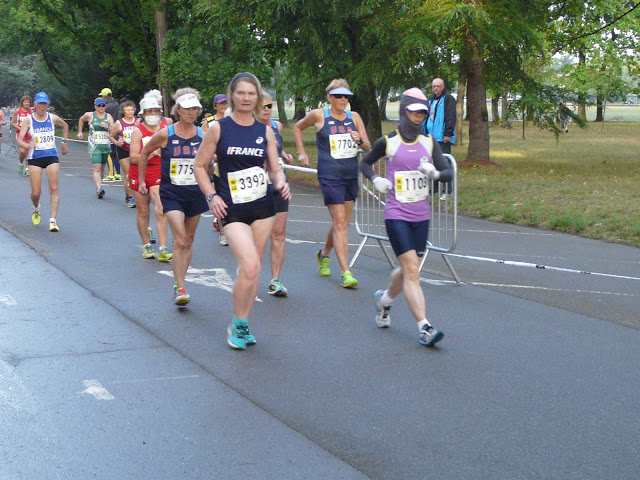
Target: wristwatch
{"points": [[210, 197]]}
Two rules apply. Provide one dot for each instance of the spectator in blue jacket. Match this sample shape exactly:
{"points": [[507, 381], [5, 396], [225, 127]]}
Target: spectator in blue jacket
{"points": [[441, 121]]}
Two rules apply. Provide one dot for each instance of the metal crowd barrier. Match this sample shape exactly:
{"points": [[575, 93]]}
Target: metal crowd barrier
{"points": [[13, 143], [443, 231]]}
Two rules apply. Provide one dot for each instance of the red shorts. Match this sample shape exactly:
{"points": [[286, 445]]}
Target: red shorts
{"points": [[151, 176], [26, 138]]}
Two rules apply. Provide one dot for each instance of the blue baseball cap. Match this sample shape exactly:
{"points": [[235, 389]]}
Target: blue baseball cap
{"points": [[41, 97]]}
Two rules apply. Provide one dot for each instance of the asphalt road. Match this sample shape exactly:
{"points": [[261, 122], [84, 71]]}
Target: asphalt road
{"points": [[102, 377]]}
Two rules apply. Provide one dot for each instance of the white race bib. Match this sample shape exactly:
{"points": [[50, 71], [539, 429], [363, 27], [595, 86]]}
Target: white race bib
{"points": [[45, 140], [247, 185], [410, 186], [342, 146], [181, 171], [100, 137], [126, 134]]}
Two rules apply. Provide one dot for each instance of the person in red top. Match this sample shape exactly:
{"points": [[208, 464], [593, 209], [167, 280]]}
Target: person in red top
{"points": [[19, 115], [151, 112]]}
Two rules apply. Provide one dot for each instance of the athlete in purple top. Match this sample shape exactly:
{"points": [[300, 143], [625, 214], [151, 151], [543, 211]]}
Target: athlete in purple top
{"points": [[412, 160]]}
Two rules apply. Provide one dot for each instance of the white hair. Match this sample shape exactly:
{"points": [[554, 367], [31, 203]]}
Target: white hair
{"points": [[155, 94]]}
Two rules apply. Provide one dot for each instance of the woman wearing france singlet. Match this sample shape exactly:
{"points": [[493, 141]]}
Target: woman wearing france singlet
{"points": [[100, 122], [244, 203], [278, 232], [339, 134], [412, 160], [150, 111], [182, 200], [121, 137], [16, 122]]}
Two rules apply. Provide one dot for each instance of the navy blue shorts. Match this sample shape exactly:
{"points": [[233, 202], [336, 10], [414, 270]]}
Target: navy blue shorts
{"points": [[248, 216], [405, 236], [282, 205], [336, 192], [188, 199]]}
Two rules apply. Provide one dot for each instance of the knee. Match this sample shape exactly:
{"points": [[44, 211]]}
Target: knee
{"points": [[250, 269], [54, 190], [182, 242], [277, 237]]}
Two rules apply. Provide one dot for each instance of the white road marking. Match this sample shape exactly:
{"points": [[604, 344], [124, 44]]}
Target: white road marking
{"points": [[95, 389], [209, 277], [8, 300]]}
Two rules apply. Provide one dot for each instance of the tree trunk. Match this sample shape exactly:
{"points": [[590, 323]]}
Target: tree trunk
{"points": [[282, 113], [462, 92], [495, 114], [162, 27], [582, 100], [477, 103], [365, 103], [505, 104], [599, 115], [382, 105], [299, 109]]}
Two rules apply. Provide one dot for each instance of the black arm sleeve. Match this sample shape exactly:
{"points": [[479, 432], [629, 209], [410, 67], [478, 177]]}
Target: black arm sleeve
{"points": [[449, 116], [441, 163], [376, 153]]}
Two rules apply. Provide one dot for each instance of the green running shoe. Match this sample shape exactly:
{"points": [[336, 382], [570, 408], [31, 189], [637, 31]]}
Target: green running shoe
{"points": [[348, 280], [277, 289], [147, 252], [323, 264]]}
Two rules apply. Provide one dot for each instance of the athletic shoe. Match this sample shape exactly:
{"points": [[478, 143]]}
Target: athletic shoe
{"points": [[35, 216], [223, 240], [348, 280], [109, 178], [235, 337], [117, 176], [430, 336], [383, 320], [215, 224], [277, 289], [20, 169], [180, 296], [53, 226], [100, 193], [152, 239], [147, 252], [323, 264], [164, 255], [443, 197], [131, 203], [239, 335]]}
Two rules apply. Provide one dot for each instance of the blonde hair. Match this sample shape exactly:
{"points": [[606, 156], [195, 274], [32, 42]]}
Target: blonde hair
{"points": [[178, 94], [250, 78], [337, 83]]}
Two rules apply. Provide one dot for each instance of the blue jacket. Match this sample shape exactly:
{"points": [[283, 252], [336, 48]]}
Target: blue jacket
{"points": [[441, 120]]}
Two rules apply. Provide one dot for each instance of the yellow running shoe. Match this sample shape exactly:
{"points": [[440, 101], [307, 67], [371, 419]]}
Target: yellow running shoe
{"points": [[348, 280], [164, 255], [323, 264], [35, 216], [147, 252]]}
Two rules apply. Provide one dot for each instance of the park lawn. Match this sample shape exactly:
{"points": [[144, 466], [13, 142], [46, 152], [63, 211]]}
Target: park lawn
{"points": [[587, 182]]}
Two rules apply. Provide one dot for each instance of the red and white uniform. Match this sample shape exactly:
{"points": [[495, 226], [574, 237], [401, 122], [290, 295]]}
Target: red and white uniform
{"points": [[153, 172], [126, 132], [22, 114]]}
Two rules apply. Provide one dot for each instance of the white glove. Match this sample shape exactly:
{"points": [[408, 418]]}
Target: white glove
{"points": [[382, 184], [429, 170]]}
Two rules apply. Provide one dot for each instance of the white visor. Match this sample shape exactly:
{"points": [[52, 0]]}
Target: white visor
{"points": [[415, 107], [188, 100], [147, 103], [340, 91]]}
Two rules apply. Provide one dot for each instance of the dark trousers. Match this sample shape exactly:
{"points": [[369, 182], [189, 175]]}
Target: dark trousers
{"points": [[446, 148]]}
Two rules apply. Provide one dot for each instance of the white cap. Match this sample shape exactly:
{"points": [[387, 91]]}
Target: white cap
{"points": [[148, 102], [340, 91], [414, 107], [188, 100]]}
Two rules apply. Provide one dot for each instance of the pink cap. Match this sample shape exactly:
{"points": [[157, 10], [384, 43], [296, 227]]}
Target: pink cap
{"points": [[415, 93]]}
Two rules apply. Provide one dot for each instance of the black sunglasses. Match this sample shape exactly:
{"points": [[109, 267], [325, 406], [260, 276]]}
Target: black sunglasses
{"points": [[268, 105], [341, 95], [100, 105]]}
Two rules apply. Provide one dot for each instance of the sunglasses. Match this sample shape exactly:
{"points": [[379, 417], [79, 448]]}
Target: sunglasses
{"points": [[100, 105], [268, 105], [341, 96]]}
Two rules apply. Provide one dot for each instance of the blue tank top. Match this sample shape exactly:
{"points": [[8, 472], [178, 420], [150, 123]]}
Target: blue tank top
{"points": [[274, 126], [44, 135], [177, 158], [337, 152], [239, 149]]}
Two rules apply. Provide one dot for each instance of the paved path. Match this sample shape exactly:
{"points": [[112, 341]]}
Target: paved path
{"points": [[101, 376]]}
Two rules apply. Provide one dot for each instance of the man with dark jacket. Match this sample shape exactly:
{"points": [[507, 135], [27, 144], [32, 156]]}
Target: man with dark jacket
{"points": [[441, 121]]}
